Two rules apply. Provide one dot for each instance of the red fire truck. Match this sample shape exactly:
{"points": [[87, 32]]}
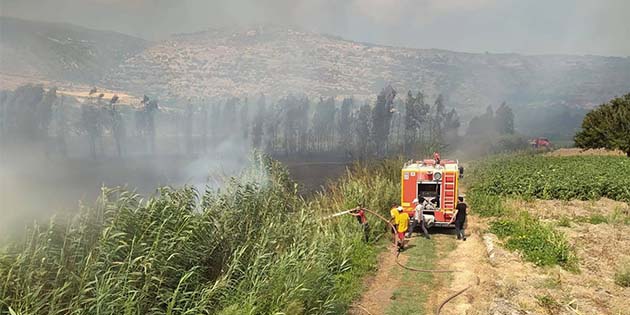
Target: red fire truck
{"points": [[437, 182], [540, 143]]}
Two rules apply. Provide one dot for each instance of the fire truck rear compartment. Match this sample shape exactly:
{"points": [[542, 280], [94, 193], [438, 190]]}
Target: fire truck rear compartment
{"points": [[428, 190]]}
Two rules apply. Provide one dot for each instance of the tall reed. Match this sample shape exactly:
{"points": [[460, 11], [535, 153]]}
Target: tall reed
{"points": [[254, 247]]}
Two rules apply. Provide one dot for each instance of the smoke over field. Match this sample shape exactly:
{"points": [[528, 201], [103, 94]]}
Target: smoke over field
{"points": [[205, 157], [34, 188]]}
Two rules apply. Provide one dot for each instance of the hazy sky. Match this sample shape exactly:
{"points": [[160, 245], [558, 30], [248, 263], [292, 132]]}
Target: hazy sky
{"points": [[534, 26]]}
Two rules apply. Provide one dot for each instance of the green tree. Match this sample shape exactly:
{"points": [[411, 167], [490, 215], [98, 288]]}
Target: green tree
{"points": [[344, 124], [324, 124], [362, 130], [118, 126], [504, 119], [482, 125], [607, 126], [203, 112], [416, 115], [259, 121], [381, 117], [451, 127]]}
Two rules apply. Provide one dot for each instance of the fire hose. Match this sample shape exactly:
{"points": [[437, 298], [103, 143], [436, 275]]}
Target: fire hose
{"points": [[445, 301]]}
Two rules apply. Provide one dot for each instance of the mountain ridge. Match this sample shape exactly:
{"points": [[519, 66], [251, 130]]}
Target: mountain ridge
{"points": [[277, 60], [62, 51]]}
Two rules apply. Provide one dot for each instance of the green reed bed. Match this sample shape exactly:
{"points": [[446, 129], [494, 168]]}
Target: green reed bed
{"points": [[255, 247]]}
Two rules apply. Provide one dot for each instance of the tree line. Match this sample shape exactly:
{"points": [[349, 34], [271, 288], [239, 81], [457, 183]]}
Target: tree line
{"points": [[292, 125], [499, 122]]}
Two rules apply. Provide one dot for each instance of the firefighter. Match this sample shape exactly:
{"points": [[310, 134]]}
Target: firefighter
{"points": [[459, 217], [402, 224], [393, 212], [418, 218], [436, 157], [359, 213]]}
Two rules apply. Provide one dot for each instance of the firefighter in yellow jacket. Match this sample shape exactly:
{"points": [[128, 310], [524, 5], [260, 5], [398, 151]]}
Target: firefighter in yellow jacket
{"points": [[393, 212], [402, 224]]}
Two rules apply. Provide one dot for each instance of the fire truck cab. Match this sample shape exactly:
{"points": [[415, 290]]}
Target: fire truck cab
{"points": [[435, 183]]}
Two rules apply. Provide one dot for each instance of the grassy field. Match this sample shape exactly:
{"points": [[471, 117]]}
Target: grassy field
{"points": [[254, 247]]}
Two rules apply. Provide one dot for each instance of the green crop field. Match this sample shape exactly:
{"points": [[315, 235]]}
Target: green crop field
{"points": [[255, 247], [546, 177], [496, 180]]}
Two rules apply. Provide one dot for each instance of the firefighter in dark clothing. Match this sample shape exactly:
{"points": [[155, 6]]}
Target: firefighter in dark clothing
{"points": [[460, 219]]}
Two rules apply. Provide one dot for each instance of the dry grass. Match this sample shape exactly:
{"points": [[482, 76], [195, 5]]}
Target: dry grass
{"points": [[602, 249]]}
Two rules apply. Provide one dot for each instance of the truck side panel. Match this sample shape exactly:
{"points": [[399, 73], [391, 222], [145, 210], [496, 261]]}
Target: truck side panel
{"points": [[409, 187]]}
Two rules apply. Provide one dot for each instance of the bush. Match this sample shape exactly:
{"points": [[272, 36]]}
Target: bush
{"points": [[548, 303], [539, 243], [622, 276], [597, 219], [564, 221], [486, 205]]}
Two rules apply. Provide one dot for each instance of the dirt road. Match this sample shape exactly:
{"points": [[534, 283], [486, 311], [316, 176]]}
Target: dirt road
{"points": [[394, 290], [508, 284]]}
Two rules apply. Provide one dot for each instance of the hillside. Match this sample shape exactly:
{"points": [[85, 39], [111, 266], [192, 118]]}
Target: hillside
{"points": [[280, 60], [61, 52]]}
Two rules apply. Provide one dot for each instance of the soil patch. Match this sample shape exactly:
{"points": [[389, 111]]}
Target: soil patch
{"points": [[511, 286], [469, 258], [508, 285], [381, 286]]}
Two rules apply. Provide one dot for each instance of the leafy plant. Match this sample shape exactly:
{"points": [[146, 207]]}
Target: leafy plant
{"points": [[539, 243], [597, 219], [622, 276], [564, 221], [548, 303], [486, 205]]}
